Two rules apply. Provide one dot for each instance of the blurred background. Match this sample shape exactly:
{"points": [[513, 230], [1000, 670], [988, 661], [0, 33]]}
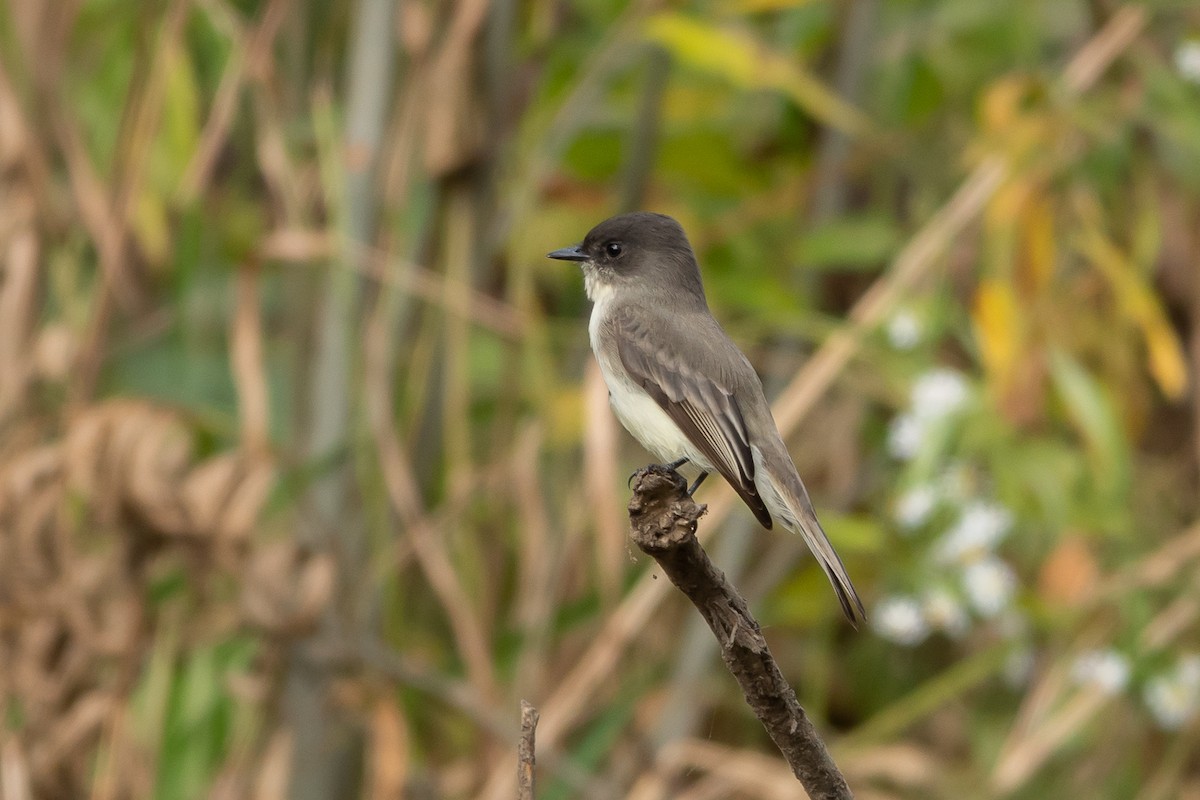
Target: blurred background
{"points": [[307, 476]]}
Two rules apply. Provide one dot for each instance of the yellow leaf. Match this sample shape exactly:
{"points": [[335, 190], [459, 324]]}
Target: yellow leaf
{"points": [[1040, 250], [1006, 204], [731, 56], [1020, 225], [1167, 362], [997, 327], [1139, 304], [1001, 105], [1014, 120], [746, 63]]}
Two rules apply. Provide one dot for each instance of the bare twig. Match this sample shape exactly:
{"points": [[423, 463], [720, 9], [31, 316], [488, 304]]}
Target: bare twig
{"points": [[599, 465], [379, 658], [663, 518], [408, 277], [525, 757], [248, 57], [248, 362]]}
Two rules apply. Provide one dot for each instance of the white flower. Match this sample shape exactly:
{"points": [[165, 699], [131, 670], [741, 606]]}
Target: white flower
{"points": [[944, 612], [1189, 669], [899, 619], [979, 529], [1187, 60], [1174, 697], [989, 584], [904, 330], [938, 394], [1106, 670], [905, 435], [935, 395], [915, 506]]}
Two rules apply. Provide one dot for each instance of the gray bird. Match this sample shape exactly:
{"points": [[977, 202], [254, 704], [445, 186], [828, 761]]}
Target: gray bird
{"points": [[680, 385]]}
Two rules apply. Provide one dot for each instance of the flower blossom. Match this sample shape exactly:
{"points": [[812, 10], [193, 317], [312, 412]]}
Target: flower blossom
{"points": [[989, 584], [899, 619], [1173, 697], [1106, 670]]}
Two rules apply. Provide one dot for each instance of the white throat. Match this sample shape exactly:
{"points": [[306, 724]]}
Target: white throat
{"points": [[594, 287], [601, 295]]}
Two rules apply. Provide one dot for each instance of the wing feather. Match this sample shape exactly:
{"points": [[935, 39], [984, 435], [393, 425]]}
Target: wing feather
{"points": [[704, 409]]}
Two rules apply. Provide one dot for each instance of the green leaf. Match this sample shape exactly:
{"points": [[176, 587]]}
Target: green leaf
{"points": [[915, 91], [595, 154], [181, 119], [854, 533], [862, 242], [1092, 412], [939, 691]]}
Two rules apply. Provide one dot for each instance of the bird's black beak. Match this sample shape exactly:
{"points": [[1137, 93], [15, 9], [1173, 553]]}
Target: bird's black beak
{"points": [[569, 254]]}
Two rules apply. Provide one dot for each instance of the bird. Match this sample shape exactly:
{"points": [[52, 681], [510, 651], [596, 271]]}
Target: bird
{"points": [[680, 385]]}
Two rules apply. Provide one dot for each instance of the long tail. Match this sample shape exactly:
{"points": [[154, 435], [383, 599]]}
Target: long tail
{"points": [[791, 506], [814, 536]]}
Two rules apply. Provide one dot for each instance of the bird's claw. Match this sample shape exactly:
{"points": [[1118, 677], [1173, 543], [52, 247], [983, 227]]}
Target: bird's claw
{"points": [[671, 466]]}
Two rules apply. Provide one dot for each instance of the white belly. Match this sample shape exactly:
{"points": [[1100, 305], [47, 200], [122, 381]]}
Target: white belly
{"points": [[637, 411], [646, 420]]}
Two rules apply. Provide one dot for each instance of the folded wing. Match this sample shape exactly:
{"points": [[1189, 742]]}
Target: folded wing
{"points": [[698, 403]]}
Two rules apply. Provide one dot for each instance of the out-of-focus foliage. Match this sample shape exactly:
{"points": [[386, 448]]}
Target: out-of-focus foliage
{"points": [[307, 479]]}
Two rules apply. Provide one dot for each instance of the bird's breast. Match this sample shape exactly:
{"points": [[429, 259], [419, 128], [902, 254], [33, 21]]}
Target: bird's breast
{"points": [[637, 410]]}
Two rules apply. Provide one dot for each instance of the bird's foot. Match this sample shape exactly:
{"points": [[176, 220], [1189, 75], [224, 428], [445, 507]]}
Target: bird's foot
{"points": [[674, 465]]}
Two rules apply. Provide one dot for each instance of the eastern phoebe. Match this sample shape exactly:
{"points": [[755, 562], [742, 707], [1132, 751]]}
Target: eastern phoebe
{"points": [[680, 385]]}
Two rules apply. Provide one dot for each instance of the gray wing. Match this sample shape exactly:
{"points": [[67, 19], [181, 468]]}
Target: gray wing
{"points": [[696, 400]]}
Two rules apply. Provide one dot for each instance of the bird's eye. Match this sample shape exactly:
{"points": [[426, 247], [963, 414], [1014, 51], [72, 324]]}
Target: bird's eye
{"points": [[613, 249]]}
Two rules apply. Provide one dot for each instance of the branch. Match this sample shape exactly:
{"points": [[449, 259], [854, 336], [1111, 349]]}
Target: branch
{"points": [[663, 521], [525, 758]]}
